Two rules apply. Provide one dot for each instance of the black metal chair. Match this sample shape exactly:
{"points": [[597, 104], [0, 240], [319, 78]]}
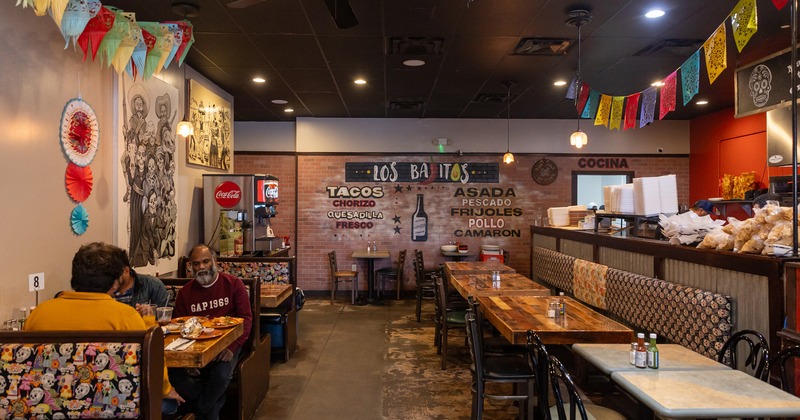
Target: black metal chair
{"points": [[424, 282], [572, 407], [394, 275], [786, 361], [337, 277], [498, 369], [446, 320], [541, 359], [756, 353]]}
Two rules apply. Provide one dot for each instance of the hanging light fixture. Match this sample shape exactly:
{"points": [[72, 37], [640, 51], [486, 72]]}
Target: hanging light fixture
{"points": [[508, 157], [578, 18], [185, 128]]}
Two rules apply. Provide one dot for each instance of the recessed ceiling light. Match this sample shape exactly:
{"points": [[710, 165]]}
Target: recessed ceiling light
{"points": [[657, 84], [280, 101], [560, 83], [259, 80], [414, 63], [702, 102], [360, 82], [787, 26], [288, 110], [655, 13]]}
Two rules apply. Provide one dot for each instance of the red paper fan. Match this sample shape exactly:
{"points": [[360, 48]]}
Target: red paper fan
{"points": [[79, 181]]}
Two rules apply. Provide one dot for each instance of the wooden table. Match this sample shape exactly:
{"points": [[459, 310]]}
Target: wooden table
{"points": [[370, 256], [273, 295], [201, 352], [610, 358], [452, 268], [509, 285], [705, 393], [513, 316]]}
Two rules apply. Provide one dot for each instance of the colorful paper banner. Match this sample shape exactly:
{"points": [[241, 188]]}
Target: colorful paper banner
{"points": [[716, 54], [603, 111]]}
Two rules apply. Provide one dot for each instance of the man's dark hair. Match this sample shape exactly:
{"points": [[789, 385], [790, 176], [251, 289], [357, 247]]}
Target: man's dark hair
{"points": [[122, 256], [761, 200], [95, 267]]}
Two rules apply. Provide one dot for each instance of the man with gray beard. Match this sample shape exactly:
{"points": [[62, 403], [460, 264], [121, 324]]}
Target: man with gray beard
{"points": [[211, 294]]}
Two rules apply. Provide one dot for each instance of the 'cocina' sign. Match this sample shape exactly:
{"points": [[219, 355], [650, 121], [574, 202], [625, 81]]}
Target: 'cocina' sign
{"points": [[603, 163]]}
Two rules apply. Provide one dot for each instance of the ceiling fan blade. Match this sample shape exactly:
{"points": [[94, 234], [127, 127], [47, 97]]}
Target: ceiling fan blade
{"points": [[341, 12], [241, 4]]}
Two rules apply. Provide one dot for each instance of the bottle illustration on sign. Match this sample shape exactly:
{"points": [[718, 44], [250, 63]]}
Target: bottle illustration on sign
{"points": [[419, 221]]}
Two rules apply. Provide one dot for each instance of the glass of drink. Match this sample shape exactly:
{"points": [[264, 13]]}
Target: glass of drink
{"points": [[148, 313], [163, 315]]}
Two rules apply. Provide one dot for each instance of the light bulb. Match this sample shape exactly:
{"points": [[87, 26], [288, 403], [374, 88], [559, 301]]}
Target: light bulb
{"points": [[508, 157], [185, 129], [578, 139]]}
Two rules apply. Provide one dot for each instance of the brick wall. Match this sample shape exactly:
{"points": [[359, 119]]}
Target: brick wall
{"points": [[318, 233]]}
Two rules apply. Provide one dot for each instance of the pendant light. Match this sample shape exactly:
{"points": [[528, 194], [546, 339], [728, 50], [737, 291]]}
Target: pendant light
{"points": [[578, 18], [185, 128], [508, 157]]}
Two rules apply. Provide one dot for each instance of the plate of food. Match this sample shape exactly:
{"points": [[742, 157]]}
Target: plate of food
{"points": [[205, 334], [183, 319], [222, 322]]}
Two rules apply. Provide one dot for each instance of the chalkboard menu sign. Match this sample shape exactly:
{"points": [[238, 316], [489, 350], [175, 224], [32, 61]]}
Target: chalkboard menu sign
{"points": [[764, 85]]}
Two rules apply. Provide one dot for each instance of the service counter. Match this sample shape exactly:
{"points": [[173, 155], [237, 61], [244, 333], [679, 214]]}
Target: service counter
{"points": [[754, 282]]}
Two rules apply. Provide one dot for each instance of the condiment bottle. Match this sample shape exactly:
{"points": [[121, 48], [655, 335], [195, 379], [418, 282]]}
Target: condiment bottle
{"points": [[652, 353], [641, 353], [562, 305], [632, 358]]}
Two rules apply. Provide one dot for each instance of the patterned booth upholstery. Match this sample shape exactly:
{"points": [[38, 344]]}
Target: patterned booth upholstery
{"points": [[554, 268], [694, 318], [81, 374]]}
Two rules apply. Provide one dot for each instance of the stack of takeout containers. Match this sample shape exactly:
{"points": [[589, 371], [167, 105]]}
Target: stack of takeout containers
{"points": [[558, 216], [656, 195]]}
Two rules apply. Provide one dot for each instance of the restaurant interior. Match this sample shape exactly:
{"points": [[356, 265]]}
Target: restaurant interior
{"points": [[415, 162]]}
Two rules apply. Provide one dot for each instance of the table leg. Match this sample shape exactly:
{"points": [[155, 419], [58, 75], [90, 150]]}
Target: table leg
{"points": [[370, 280]]}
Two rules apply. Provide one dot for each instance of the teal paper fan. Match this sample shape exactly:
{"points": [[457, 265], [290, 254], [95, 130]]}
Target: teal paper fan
{"points": [[79, 220]]}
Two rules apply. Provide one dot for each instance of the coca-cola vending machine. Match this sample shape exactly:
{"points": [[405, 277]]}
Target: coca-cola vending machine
{"points": [[236, 212]]}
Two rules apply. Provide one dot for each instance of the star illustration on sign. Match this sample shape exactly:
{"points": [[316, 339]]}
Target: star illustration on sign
{"points": [[396, 218], [408, 187], [397, 230], [398, 188]]}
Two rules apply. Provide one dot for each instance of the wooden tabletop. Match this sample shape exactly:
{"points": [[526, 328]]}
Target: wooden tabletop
{"points": [[512, 284], [273, 295], [201, 352], [370, 254], [513, 316], [452, 268]]}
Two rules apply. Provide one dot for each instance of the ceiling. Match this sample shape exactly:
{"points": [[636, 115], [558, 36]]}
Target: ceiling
{"points": [[468, 49]]}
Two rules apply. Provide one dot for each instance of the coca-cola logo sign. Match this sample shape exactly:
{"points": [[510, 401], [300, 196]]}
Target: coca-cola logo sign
{"points": [[228, 194]]}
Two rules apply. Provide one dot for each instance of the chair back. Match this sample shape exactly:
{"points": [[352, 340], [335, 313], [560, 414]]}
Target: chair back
{"points": [[475, 345], [332, 264], [419, 275], [401, 263], [559, 377], [440, 301], [784, 360], [541, 360], [755, 353]]}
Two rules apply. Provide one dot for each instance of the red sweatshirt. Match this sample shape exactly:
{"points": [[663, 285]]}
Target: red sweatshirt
{"points": [[226, 297]]}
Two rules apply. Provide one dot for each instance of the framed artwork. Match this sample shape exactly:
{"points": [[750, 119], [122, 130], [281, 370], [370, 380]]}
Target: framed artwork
{"points": [[145, 206], [212, 142]]}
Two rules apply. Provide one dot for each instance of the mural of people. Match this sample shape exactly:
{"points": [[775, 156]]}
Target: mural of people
{"points": [[211, 143], [148, 170]]}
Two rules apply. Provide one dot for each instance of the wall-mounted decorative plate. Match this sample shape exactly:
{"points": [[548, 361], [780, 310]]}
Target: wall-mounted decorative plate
{"points": [[544, 171]]}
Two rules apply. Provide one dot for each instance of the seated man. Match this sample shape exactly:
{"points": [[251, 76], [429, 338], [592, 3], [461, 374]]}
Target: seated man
{"points": [[136, 289], [95, 276], [212, 294]]}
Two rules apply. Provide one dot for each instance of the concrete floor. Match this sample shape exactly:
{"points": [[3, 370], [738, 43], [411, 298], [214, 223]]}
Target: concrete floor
{"points": [[338, 367]]}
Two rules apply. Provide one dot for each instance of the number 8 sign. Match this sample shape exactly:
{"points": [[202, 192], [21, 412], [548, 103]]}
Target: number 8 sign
{"points": [[35, 282]]}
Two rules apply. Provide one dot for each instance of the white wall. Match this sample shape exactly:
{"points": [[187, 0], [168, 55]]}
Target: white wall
{"points": [[469, 135], [38, 77]]}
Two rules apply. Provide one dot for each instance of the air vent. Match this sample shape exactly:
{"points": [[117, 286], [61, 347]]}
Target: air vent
{"points": [[414, 45], [542, 46], [681, 47], [485, 98], [407, 105]]}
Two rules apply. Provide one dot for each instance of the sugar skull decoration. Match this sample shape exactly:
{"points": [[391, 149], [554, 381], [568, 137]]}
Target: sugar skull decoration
{"points": [[760, 84]]}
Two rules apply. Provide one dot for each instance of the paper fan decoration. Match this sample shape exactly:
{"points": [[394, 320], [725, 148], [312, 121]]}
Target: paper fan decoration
{"points": [[79, 181], [79, 219], [80, 132]]}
